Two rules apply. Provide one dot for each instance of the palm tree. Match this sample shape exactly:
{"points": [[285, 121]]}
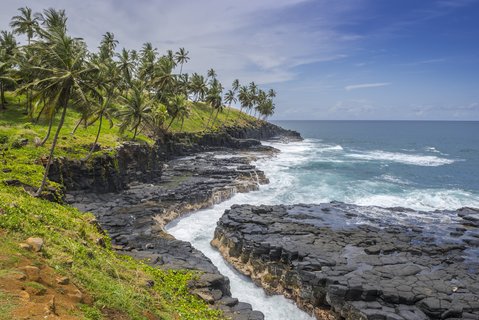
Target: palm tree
{"points": [[52, 20], [108, 79], [175, 105], [198, 85], [181, 57], [147, 63], [8, 47], [212, 74], [235, 85], [230, 97], [137, 108], [60, 75], [244, 97], [271, 93], [4, 78], [126, 65], [215, 101], [25, 23], [107, 46]]}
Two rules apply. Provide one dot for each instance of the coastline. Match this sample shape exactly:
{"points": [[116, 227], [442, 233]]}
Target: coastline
{"points": [[191, 177]]}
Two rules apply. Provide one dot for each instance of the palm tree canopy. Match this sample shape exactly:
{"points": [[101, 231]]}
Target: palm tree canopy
{"points": [[25, 23], [181, 56]]}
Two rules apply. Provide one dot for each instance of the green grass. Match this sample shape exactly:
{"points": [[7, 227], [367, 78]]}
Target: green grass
{"points": [[113, 281], [200, 113], [7, 304], [23, 162]]}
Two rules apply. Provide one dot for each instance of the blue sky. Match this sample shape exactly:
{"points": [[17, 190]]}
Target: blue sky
{"points": [[348, 59]]}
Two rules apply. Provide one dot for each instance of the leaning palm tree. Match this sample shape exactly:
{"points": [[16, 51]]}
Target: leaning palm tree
{"points": [[215, 101], [60, 77], [175, 106], [137, 108], [230, 97], [108, 79], [184, 112]]}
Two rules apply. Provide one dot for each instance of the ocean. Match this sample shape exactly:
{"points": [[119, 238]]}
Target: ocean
{"points": [[418, 165], [423, 165]]}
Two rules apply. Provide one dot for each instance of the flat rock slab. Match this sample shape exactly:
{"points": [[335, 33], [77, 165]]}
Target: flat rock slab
{"points": [[135, 218], [353, 262]]}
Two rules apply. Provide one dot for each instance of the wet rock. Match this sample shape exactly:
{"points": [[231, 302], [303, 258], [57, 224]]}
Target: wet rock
{"points": [[365, 268]]}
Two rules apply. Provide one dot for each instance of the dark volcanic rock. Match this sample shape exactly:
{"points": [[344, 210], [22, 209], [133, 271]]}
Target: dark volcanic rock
{"points": [[135, 217], [348, 262]]}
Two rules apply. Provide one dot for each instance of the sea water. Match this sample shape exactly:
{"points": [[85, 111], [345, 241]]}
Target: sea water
{"points": [[419, 165]]}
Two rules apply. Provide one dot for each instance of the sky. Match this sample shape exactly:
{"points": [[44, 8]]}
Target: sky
{"points": [[327, 59]]}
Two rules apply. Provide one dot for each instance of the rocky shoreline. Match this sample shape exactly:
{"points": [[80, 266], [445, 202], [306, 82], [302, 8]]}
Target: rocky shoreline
{"points": [[342, 261], [138, 190]]}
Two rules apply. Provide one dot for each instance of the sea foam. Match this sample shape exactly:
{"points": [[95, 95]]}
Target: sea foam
{"points": [[410, 159]]}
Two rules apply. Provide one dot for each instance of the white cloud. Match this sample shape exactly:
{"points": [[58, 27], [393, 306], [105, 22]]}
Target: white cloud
{"points": [[366, 85], [249, 40]]}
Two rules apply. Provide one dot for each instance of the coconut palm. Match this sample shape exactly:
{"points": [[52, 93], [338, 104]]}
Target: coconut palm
{"points": [[198, 86], [230, 97], [25, 23], [126, 65], [244, 97], [4, 79], [214, 99], [271, 93], [107, 46], [8, 46], [235, 85], [211, 74], [53, 21], [176, 104], [181, 57], [60, 76], [107, 80], [137, 108]]}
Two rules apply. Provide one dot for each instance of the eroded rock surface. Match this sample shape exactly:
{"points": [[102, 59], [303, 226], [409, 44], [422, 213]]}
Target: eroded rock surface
{"points": [[343, 261], [134, 218]]}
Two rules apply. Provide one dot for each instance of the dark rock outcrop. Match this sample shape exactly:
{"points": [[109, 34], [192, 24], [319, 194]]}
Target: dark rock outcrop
{"points": [[134, 218], [131, 162], [136, 189], [343, 261]]}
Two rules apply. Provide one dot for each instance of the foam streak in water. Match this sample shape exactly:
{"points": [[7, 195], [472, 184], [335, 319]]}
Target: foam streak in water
{"points": [[411, 159]]}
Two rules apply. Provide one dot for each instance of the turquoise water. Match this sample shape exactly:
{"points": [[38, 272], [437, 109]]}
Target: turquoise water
{"points": [[422, 165], [419, 165]]}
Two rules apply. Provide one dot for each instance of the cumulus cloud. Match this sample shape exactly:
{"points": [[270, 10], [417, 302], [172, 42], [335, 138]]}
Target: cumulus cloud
{"points": [[249, 40]]}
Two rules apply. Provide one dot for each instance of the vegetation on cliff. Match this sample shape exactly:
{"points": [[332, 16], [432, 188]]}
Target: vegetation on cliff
{"points": [[57, 99]]}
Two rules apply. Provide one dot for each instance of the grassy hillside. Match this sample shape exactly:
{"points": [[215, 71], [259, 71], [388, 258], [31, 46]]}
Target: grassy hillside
{"points": [[112, 286]]}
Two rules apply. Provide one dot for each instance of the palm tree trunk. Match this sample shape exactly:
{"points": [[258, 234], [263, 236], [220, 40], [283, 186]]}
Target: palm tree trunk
{"points": [[76, 126], [136, 131], [216, 117], [96, 138], [171, 122], [50, 124], [182, 123], [2, 97], [209, 119], [52, 148], [40, 113]]}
